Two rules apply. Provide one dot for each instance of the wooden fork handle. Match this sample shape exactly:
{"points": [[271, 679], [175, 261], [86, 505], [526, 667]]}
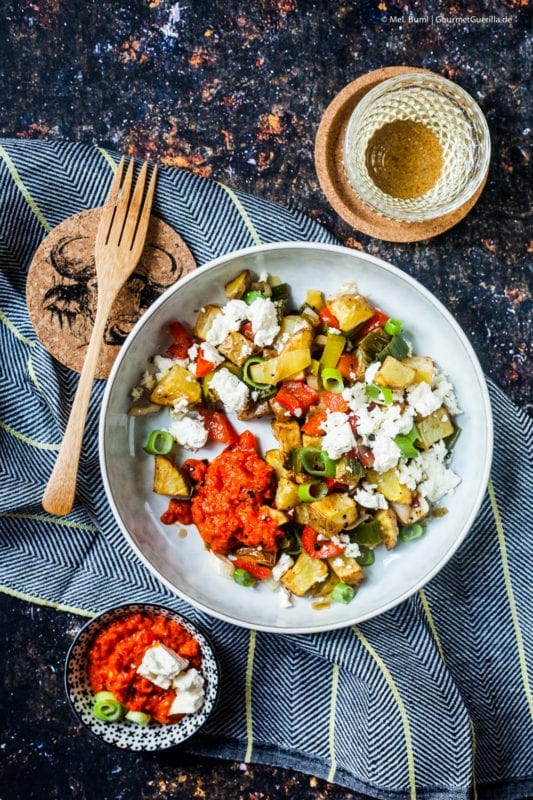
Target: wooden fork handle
{"points": [[60, 491]]}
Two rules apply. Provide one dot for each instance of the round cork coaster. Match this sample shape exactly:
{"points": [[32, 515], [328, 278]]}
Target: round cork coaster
{"points": [[329, 167], [61, 289]]}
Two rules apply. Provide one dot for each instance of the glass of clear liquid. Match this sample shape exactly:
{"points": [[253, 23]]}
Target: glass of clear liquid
{"points": [[417, 147]]}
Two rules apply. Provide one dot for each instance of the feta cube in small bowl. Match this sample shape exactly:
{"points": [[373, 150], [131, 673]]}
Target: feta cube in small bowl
{"points": [[142, 677]]}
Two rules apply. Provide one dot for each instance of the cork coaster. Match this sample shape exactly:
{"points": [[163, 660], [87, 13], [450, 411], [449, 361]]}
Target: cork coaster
{"points": [[61, 289], [329, 167]]}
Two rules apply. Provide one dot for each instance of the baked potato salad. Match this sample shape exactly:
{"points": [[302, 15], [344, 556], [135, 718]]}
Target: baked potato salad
{"points": [[363, 430]]}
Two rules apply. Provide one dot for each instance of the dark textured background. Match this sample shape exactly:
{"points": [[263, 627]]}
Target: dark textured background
{"points": [[235, 91]]}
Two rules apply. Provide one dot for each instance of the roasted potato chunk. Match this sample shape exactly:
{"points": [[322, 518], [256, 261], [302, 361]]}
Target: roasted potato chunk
{"points": [[350, 310], [388, 527], [347, 569], [333, 514], [236, 348], [288, 434], [235, 288], [434, 427], [169, 479], [395, 374], [204, 320], [390, 487], [177, 382], [305, 573]]}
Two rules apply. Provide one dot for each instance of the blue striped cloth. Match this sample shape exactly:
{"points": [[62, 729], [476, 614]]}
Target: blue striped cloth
{"points": [[431, 700]]}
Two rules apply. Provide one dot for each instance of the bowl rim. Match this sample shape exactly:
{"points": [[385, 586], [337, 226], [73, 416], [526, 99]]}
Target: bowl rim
{"points": [[124, 608], [303, 246]]}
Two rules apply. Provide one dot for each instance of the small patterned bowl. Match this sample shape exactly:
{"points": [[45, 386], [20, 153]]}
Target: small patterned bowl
{"points": [[126, 735]]}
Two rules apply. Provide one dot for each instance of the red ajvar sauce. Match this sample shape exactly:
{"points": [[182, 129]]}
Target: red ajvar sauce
{"points": [[118, 650], [229, 507]]}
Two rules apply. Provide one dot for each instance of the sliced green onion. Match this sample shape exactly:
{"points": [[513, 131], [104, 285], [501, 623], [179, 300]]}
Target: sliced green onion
{"points": [[379, 393], [335, 343], [315, 490], [247, 378], [397, 347], [281, 291], [107, 708], [251, 295], [243, 577], [159, 443], [405, 442], [393, 326], [343, 593], [368, 534], [366, 557], [332, 380], [408, 533], [314, 461], [138, 717]]}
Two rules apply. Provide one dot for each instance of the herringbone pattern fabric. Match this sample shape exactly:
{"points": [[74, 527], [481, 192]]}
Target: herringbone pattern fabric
{"points": [[431, 700]]}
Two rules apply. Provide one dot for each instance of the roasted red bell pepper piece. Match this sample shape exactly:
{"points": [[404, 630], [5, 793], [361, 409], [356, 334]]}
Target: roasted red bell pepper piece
{"points": [[219, 428], [258, 571], [183, 340], [333, 401], [319, 548], [296, 397], [328, 318], [177, 511], [195, 468], [378, 320], [203, 365], [313, 426], [347, 366]]}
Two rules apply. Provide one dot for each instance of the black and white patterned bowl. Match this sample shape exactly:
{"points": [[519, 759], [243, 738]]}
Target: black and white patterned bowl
{"points": [[126, 735]]}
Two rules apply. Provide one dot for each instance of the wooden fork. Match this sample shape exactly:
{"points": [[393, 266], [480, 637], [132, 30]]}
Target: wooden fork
{"points": [[119, 243]]}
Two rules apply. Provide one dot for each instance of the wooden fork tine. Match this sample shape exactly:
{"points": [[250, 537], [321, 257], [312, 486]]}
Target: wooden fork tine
{"points": [[122, 207], [130, 225], [144, 219], [108, 210]]}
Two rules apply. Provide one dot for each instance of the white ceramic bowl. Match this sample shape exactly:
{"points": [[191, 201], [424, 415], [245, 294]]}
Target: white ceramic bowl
{"points": [[182, 564], [125, 735]]}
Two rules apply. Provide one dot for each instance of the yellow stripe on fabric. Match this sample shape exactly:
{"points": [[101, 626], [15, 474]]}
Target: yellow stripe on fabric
{"points": [[244, 214], [510, 596], [38, 601], [33, 376], [433, 628], [4, 319], [80, 526], [401, 708], [108, 158], [248, 698], [27, 440], [331, 727], [17, 180]]}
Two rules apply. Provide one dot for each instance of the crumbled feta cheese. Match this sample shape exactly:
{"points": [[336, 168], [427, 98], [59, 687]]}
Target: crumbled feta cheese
{"points": [[367, 496], [190, 432], [233, 315], [370, 372], [337, 562], [410, 473], [439, 480], [189, 692], [161, 665], [211, 354], [386, 453], [422, 399], [282, 565], [162, 365], [192, 352], [352, 550], [339, 438], [180, 406], [233, 393], [285, 597], [263, 315], [346, 288], [444, 389]]}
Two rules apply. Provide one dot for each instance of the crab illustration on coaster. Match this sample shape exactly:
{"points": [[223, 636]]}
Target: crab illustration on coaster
{"points": [[61, 289]]}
